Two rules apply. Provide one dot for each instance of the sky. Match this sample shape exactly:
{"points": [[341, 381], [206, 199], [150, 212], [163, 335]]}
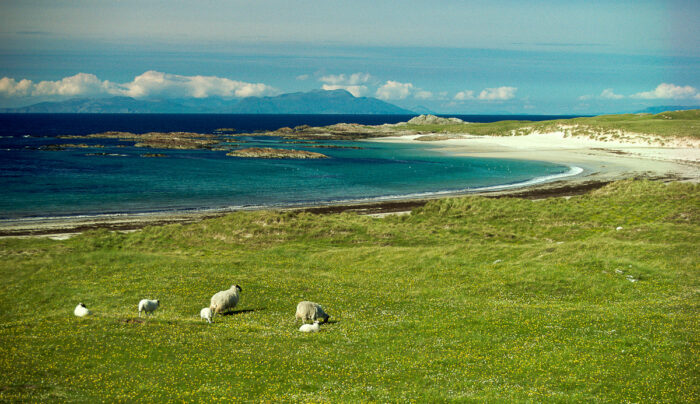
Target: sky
{"points": [[444, 56]]}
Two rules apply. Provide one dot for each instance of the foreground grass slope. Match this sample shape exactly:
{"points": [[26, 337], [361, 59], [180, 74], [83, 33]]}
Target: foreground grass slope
{"points": [[466, 298], [683, 124]]}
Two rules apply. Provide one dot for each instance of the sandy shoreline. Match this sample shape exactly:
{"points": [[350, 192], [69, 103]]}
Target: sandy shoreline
{"points": [[601, 161]]}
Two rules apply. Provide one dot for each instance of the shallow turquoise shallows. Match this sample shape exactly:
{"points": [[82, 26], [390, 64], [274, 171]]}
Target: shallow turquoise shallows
{"points": [[41, 183]]}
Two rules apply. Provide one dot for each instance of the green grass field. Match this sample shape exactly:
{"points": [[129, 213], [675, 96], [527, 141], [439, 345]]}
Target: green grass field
{"points": [[665, 124], [465, 299]]}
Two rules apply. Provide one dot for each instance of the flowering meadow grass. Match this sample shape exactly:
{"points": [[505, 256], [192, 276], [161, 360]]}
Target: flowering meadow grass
{"points": [[465, 299]]}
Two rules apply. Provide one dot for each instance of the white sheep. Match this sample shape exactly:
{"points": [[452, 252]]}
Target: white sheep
{"points": [[81, 310], [310, 311], [225, 299], [206, 314], [148, 306], [310, 327]]}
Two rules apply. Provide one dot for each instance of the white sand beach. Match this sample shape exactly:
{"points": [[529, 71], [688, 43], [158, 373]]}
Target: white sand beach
{"points": [[601, 160]]}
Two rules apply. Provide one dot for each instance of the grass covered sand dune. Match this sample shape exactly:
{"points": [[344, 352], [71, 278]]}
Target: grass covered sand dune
{"points": [[671, 124], [466, 298]]}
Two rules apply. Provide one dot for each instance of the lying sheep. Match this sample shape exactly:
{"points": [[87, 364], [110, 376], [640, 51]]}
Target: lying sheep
{"points": [[206, 314], [225, 300], [148, 306], [310, 327], [310, 311], [81, 310]]}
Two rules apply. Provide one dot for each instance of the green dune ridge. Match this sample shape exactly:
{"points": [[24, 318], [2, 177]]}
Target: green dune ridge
{"points": [[468, 298], [605, 127]]}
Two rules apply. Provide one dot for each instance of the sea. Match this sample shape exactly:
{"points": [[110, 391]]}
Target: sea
{"points": [[116, 178]]}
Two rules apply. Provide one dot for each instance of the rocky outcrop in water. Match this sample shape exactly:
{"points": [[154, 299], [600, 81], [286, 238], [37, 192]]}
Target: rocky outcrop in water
{"points": [[271, 153], [433, 120], [61, 147], [154, 155], [158, 140]]}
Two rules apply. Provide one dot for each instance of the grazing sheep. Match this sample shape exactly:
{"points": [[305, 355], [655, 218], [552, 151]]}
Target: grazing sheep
{"points": [[148, 306], [310, 311], [226, 299], [206, 314], [81, 310], [310, 327]]}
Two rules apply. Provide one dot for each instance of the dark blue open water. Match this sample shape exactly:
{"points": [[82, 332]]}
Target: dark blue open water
{"points": [[40, 183]]}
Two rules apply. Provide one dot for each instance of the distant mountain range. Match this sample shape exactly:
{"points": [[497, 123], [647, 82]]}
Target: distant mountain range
{"points": [[313, 102]]}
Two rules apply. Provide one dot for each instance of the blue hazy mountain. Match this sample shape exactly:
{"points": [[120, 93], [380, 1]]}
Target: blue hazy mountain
{"points": [[312, 102], [316, 102]]}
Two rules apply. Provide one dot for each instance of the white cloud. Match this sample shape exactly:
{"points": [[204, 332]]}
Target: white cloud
{"points": [[488, 94], [394, 90], [667, 90], [464, 95], [609, 94], [353, 83], [148, 84], [11, 88], [357, 91], [423, 95], [341, 79], [153, 83], [82, 84], [498, 94], [303, 77]]}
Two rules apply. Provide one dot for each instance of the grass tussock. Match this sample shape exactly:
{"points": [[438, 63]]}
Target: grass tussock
{"points": [[465, 299]]}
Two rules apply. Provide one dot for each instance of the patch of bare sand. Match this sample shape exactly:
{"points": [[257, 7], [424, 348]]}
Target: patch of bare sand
{"points": [[601, 160]]}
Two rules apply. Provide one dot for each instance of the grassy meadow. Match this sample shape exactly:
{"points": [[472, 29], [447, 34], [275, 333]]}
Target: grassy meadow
{"points": [[465, 299], [664, 125]]}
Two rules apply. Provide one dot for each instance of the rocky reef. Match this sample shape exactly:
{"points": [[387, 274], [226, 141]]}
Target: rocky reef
{"points": [[61, 147], [353, 131], [222, 139], [271, 153], [158, 140], [433, 120], [154, 155], [340, 131]]}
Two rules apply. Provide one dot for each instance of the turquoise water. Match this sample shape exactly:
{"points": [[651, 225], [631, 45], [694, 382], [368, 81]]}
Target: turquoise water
{"points": [[70, 182]]}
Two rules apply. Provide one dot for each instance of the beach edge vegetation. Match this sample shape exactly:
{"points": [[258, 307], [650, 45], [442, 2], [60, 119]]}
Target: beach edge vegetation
{"points": [[670, 124]]}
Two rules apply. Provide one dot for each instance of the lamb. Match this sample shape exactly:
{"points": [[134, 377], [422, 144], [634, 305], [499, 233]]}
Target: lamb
{"points": [[225, 299], [310, 327], [148, 306], [81, 310], [206, 314], [310, 311]]}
